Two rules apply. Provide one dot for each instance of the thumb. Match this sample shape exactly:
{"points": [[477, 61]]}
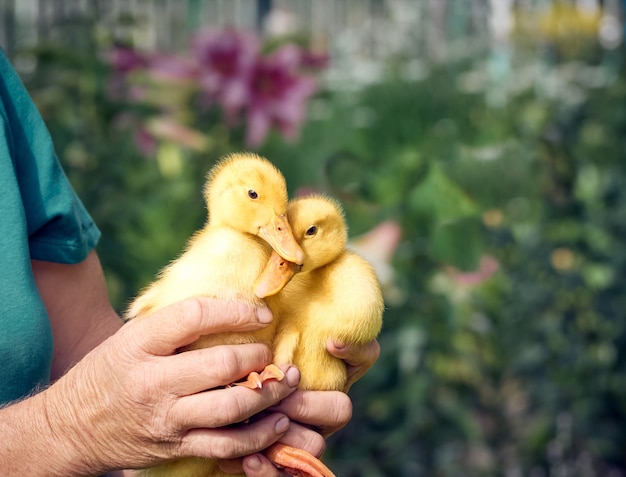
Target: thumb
{"points": [[166, 330]]}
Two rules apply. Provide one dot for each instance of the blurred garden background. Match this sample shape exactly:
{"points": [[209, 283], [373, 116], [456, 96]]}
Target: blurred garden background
{"points": [[479, 150]]}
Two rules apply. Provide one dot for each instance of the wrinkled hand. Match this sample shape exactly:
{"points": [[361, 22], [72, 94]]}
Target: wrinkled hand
{"points": [[324, 411], [317, 413], [133, 401]]}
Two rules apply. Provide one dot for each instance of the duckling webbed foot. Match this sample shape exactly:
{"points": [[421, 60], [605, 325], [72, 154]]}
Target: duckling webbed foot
{"points": [[297, 462], [255, 380]]}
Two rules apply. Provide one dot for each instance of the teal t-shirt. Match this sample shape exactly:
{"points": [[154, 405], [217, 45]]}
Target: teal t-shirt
{"points": [[40, 218]]}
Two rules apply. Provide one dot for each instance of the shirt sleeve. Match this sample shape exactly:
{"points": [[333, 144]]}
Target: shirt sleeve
{"points": [[59, 227]]}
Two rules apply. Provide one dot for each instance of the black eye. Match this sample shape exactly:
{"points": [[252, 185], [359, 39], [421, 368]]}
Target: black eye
{"points": [[252, 194], [311, 231]]}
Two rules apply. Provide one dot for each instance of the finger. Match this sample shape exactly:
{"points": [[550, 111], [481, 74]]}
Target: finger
{"points": [[327, 411], [258, 465], [355, 354], [232, 466], [198, 370], [221, 407], [302, 437], [182, 323], [358, 358], [235, 441], [297, 436]]}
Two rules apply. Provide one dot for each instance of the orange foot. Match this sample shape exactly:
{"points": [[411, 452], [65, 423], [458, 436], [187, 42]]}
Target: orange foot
{"points": [[297, 462], [256, 380]]}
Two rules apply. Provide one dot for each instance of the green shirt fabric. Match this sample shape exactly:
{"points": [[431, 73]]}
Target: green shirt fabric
{"points": [[40, 218]]}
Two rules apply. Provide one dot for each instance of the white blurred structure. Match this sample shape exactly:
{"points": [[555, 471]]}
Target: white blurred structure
{"points": [[356, 33], [359, 35]]}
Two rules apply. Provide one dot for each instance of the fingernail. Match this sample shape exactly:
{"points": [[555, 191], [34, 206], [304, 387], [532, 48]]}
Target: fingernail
{"points": [[264, 315], [292, 376], [281, 425], [253, 462]]}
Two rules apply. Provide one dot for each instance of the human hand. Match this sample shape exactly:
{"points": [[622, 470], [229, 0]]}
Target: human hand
{"points": [[133, 401], [318, 414], [358, 358]]}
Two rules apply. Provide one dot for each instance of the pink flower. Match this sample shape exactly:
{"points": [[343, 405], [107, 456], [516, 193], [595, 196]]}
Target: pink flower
{"points": [[171, 68], [378, 246], [168, 129], [145, 141], [125, 59], [225, 62], [488, 266], [314, 61], [228, 69], [277, 95]]}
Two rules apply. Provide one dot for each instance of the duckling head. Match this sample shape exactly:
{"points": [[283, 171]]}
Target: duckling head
{"points": [[248, 193], [320, 228]]}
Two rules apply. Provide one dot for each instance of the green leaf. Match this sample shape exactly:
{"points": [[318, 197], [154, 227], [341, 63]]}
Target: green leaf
{"points": [[459, 243], [440, 199]]}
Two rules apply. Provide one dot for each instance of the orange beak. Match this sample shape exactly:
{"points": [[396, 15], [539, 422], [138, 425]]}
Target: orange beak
{"points": [[275, 276], [280, 237]]}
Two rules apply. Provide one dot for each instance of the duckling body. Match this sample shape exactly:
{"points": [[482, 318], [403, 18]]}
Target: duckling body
{"points": [[247, 200], [336, 295], [340, 301], [213, 265]]}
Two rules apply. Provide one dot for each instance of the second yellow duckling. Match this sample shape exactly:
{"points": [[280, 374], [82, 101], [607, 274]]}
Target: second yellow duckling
{"points": [[335, 295]]}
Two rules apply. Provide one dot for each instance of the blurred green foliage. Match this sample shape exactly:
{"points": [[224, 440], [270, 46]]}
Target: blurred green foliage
{"points": [[519, 373]]}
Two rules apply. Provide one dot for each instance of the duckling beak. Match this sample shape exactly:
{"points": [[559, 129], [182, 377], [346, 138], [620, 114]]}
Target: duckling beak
{"points": [[276, 275], [279, 235]]}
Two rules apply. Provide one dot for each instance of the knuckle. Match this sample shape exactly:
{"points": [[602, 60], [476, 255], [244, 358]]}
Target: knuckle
{"points": [[229, 448], [225, 363], [236, 410], [191, 314], [266, 468], [316, 445], [241, 313], [278, 390], [229, 363], [224, 449], [343, 410]]}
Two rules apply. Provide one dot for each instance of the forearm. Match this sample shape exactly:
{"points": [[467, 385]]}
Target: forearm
{"points": [[33, 445], [47, 434], [78, 306], [66, 430]]}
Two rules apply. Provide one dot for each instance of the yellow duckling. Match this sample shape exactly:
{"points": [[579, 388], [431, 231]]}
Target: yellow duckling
{"points": [[247, 201], [335, 295], [246, 197]]}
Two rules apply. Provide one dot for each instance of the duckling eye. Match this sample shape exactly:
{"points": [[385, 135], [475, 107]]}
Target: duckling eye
{"points": [[252, 194], [311, 231]]}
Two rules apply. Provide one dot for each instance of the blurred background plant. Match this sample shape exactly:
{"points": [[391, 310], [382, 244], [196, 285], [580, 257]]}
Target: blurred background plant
{"points": [[479, 151]]}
